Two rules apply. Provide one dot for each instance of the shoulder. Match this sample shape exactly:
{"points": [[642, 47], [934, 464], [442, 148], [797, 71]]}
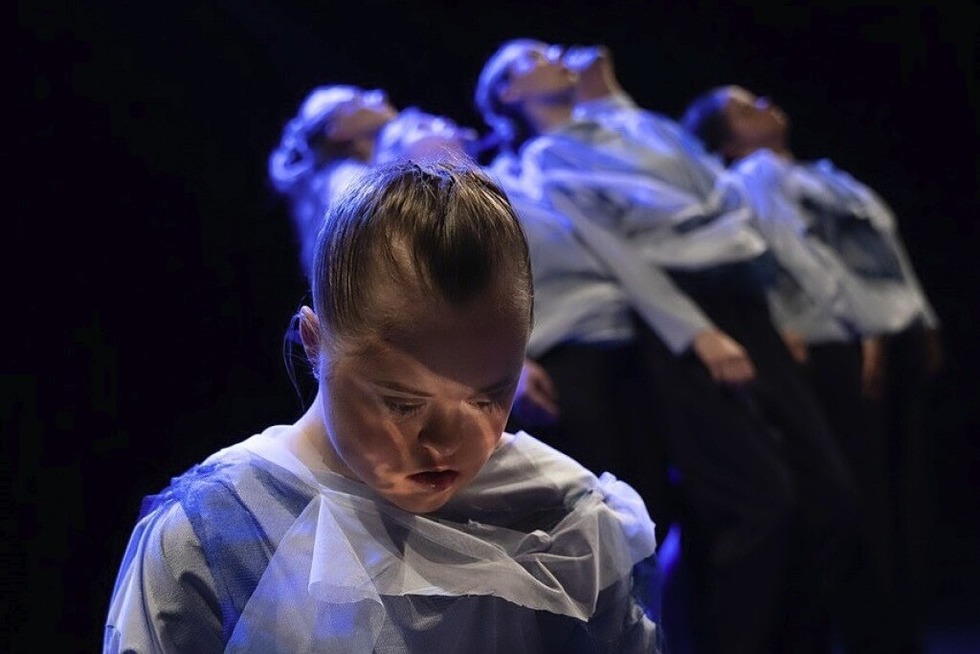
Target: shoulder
{"points": [[201, 479], [548, 147], [641, 122], [552, 476], [611, 103], [234, 486], [573, 149], [341, 174], [531, 451], [205, 541], [525, 472], [165, 594], [827, 168], [763, 162]]}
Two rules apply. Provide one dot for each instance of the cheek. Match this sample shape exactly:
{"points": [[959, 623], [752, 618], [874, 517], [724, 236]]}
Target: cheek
{"points": [[486, 431], [359, 433]]}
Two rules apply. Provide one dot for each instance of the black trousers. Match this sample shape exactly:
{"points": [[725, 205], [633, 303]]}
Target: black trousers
{"points": [[767, 502], [905, 412], [872, 609]]}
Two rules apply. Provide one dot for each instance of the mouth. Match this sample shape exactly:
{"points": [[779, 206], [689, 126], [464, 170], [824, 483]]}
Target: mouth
{"points": [[435, 480]]}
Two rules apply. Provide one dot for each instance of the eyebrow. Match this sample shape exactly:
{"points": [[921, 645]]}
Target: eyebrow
{"points": [[502, 385], [496, 387], [399, 388]]}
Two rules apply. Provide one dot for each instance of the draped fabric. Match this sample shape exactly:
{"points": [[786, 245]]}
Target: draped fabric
{"points": [[644, 199], [577, 298], [536, 555], [678, 211], [839, 242]]}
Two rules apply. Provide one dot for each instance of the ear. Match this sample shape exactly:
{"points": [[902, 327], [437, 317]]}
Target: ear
{"points": [[335, 132], [309, 333], [331, 131]]}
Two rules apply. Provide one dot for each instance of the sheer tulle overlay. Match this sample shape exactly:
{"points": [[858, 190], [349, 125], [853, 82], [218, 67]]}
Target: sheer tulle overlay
{"points": [[534, 530]]}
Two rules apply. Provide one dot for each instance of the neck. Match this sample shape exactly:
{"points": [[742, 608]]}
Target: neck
{"points": [[309, 440], [546, 113], [778, 147], [595, 83], [781, 149], [362, 148]]}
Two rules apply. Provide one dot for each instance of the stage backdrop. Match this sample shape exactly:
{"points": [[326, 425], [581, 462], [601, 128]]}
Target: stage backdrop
{"points": [[152, 271]]}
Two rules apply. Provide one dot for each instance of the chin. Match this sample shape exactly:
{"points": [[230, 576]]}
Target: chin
{"points": [[421, 505]]}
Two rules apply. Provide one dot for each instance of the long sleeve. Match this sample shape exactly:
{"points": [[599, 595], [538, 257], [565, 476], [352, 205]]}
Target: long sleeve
{"points": [[577, 299], [810, 298], [164, 598], [598, 107], [880, 213], [642, 211], [672, 209], [858, 227], [670, 313]]}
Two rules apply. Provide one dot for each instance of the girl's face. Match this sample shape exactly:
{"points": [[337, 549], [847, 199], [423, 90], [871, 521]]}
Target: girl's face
{"points": [[361, 116], [537, 71], [753, 122], [416, 413], [424, 136]]}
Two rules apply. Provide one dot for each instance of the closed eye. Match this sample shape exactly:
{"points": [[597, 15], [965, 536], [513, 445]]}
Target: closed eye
{"points": [[493, 401], [400, 407]]}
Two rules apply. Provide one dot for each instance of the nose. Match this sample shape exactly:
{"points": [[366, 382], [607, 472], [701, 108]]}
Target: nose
{"points": [[373, 97], [442, 432], [579, 57]]}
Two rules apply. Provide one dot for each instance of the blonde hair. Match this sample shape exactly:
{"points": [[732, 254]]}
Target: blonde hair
{"points": [[443, 224]]}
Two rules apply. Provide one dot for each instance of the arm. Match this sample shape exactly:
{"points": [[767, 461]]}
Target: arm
{"points": [[933, 354], [679, 322], [894, 241], [784, 226], [622, 624], [536, 400], [660, 198], [882, 218], [615, 210], [873, 364], [796, 345], [626, 611], [674, 316], [725, 359], [164, 599]]}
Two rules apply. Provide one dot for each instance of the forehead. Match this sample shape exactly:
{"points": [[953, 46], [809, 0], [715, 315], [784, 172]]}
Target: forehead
{"points": [[402, 299], [397, 289], [484, 338], [738, 95], [523, 51], [413, 128], [326, 99]]}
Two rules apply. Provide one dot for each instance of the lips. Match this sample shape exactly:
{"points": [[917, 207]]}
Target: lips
{"points": [[435, 480]]}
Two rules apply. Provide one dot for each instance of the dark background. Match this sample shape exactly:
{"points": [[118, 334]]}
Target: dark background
{"points": [[152, 272]]}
